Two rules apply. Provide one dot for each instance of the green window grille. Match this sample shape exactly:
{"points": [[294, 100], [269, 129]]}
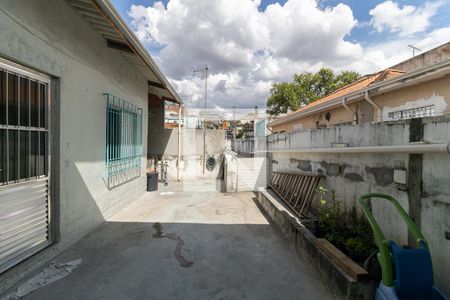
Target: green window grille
{"points": [[123, 140]]}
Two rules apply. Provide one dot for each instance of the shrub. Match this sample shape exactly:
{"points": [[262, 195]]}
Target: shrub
{"points": [[346, 231], [359, 246]]}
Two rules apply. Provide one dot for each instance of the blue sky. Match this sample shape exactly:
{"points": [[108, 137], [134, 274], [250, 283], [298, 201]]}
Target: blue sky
{"points": [[248, 48]]}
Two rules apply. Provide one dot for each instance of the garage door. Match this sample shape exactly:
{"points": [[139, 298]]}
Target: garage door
{"points": [[24, 164]]}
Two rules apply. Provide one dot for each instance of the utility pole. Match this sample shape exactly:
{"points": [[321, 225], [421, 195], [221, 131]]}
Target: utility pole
{"points": [[204, 123], [206, 85]]}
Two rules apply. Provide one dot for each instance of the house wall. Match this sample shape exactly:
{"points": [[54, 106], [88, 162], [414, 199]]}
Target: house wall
{"points": [[338, 115], [289, 126], [425, 196], [435, 93], [51, 37], [422, 60]]}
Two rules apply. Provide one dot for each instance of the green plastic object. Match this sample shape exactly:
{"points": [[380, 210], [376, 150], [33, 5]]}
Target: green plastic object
{"points": [[384, 256]]}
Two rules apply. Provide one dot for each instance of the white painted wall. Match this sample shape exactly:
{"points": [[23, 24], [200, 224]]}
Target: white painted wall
{"points": [[435, 212], [440, 106], [348, 188], [51, 37], [251, 173], [191, 166]]}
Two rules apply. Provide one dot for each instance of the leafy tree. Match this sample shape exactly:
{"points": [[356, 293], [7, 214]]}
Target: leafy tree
{"points": [[283, 96], [346, 77], [306, 88]]}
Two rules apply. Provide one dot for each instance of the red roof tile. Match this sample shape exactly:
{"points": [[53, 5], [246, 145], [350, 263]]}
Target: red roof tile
{"points": [[357, 85]]}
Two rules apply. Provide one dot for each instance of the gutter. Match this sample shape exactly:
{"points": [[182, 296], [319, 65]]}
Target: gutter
{"points": [[137, 47], [413, 148], [435, 71]]}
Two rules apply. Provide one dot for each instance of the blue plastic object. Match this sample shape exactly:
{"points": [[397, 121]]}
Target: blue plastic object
{"points": [[407, 273], [413, 272], [413, 275]]}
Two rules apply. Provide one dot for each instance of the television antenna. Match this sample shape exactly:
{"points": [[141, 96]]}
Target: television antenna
{"points": [[414, 49]]}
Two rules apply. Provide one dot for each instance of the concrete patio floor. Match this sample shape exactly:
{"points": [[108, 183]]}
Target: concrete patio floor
{"points": [[178, 244]]}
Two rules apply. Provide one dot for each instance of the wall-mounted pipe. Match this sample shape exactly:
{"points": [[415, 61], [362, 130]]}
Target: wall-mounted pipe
{"points": [[366, 96], [412, 148], [179, 145], [355, 114]]}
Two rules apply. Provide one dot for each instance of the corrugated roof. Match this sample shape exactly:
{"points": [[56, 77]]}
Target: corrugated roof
{"points": [[359, 84]]}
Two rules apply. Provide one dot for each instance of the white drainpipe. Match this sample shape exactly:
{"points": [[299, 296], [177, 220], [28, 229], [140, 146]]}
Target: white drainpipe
{"points": [[179, 144], [355, 115], [412, 148], [366, 96]]}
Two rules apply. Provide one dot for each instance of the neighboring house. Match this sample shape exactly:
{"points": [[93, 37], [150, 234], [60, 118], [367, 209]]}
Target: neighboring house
{"points": [[172, 115], [74, 89], [420, 88], [425, 59]]}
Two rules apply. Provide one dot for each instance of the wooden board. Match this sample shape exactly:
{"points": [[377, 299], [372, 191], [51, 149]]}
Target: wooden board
{"points": [[343, 261]]}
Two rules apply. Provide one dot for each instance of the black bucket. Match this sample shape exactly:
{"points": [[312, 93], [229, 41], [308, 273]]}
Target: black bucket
{"points": [[152, 181]]}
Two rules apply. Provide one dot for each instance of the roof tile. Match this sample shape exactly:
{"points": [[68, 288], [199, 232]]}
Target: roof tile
{"points": [[357, 85]]}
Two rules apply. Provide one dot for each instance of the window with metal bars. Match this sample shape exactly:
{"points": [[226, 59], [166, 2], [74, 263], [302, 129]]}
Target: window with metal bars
{"points": [[23, 128], [123, 139], [419, 112]]}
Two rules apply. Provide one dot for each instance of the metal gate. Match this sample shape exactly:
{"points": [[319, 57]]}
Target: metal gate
{"points": [[24, 163]]}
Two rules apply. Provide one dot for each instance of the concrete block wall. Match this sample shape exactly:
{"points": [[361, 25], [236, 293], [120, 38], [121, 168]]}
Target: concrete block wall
{"points": [[351, 175], [165, 146], [248, 146], [435, 204], [425, 196], [367, 134]]}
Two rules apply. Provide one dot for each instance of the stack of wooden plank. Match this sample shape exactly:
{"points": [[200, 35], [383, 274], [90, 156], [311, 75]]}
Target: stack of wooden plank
{"points": [[296, 190]]}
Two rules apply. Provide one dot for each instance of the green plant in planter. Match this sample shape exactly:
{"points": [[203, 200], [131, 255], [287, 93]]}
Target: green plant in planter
{"points": [[331, 217], [359, 246], [322, 192], [345, 230]]}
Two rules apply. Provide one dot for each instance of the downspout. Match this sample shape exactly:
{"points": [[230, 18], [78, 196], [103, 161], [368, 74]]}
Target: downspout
{"points": [[355, 115], [179, 144], [376, 106]]}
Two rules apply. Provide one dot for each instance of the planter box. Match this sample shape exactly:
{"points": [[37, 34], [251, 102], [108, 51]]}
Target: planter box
{"points": [[343, 277]]}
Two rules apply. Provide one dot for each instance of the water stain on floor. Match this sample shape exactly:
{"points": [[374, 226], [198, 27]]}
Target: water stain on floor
{"points": [[179, 247]]}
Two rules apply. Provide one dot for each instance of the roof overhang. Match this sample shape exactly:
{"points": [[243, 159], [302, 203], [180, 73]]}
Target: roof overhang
{"points": [[104, 18], [430, 73]]}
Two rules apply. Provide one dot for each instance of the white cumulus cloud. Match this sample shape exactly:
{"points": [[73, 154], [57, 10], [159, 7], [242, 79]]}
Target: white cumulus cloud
{"points": [[406, 20], [247, 48]]}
